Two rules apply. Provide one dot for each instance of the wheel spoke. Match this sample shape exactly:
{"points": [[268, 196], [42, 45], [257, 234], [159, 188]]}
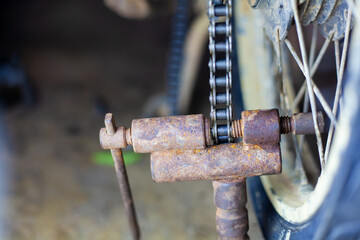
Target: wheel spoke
{"points": [[314, 67], [313, 45], [311, 62], [316, 90], [299, 96], [353, 8], [285, 99], [337, 57], [308, 81], [281, 75], [339, 80]]}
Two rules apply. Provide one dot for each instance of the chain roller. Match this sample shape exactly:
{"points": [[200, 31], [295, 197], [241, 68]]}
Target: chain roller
{"points": [[220, 47]]}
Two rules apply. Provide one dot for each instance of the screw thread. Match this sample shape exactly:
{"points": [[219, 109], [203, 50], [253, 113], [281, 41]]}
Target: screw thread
{"points": [[285, 125], [236, 129]]}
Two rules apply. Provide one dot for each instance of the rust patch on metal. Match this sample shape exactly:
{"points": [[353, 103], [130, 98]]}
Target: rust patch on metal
{"points": [[166, 133], [231, 214], [236, 131], [301, 123], [260, 127], [193, 131], [116, 140], [208, 137], [224, 161]]}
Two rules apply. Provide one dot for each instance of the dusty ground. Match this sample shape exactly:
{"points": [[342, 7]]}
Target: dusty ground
{"points": [[77, 53]]}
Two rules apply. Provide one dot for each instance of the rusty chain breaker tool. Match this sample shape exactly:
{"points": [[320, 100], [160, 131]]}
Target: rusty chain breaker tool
{"points": [[182, 149]]}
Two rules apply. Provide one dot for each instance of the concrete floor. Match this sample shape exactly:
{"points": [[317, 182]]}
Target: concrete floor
{"points": [[51, 188]]}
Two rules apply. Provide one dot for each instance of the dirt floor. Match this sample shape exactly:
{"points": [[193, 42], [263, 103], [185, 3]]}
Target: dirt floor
{"points": [[83, 60]]}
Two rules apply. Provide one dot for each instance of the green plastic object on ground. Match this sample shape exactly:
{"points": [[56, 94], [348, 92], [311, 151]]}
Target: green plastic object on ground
{"points": [[104, 158]]}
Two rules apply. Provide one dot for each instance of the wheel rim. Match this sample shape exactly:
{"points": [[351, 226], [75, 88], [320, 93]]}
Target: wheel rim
{"points": [[290, 193]]}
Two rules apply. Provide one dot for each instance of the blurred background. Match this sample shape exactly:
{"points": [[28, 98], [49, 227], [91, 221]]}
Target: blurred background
{"points": [[64, 64]]}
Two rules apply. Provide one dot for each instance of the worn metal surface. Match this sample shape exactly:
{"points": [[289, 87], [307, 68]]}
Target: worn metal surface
{"points": [[260, 126], [115, 140], [263, 126], [166, 133], [232, 160], [160, 134], [301, 124], [208, 137], [231, 214], [236, 130], [123, 180]]}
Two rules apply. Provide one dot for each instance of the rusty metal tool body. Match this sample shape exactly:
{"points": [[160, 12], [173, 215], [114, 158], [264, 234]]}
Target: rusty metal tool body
{"points": [[181, 150]]}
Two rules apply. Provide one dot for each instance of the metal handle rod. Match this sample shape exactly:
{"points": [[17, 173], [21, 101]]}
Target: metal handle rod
{"points": [[123, 180]]}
